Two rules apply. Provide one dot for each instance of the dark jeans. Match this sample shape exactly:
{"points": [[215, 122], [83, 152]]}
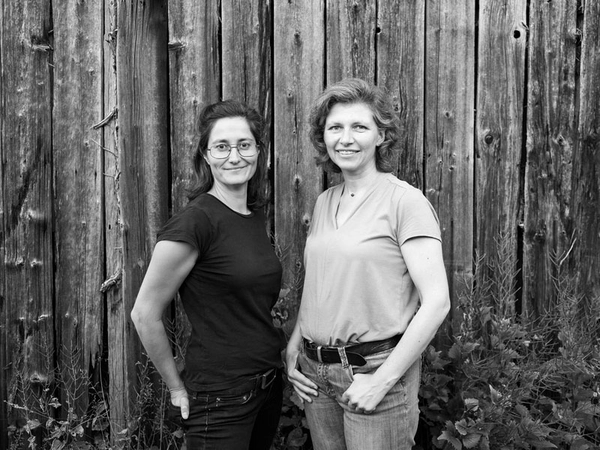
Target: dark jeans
{"points": [[244, 417]]}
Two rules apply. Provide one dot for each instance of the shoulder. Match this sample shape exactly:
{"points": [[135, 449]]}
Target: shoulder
{"points": [[401, 191], [328, 195]]}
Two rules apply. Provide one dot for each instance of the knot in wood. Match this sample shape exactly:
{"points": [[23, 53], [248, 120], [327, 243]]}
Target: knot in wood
{"points": [[488, 139], [306, 219]]}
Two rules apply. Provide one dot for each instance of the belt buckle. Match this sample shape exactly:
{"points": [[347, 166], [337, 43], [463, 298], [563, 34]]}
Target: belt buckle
{"points": [[264, 383], [319, 358]]}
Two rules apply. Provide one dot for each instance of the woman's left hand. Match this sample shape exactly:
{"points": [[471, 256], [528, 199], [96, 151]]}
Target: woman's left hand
{"points": [[364, 394]]}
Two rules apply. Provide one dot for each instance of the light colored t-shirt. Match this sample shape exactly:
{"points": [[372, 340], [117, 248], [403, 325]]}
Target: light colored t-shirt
{"points": [[357, 287]]}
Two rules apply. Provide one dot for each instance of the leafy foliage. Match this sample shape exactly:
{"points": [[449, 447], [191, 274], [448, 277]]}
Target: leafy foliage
{"points": [[510, 382]]}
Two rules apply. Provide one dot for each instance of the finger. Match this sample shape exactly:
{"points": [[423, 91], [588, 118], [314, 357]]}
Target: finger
{"points": [[303, 397], [184, 406], [300, 378]]}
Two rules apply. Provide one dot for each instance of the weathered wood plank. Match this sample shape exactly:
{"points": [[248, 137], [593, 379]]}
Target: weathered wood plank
{"points": [[142, 77], [299, 78], [351, 31], [400, 69], [448, 140], [586, 161], [551, 132], [78, 206], [351, 27], [499, 144], [246, 44], [194, 81], [26, 280], [120, 372]]}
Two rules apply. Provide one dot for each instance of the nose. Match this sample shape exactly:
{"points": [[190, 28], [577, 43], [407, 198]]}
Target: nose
{"points": [[234, 156], [346, 138]]}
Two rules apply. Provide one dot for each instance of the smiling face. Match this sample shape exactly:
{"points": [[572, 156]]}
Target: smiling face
{"points": [[234, 171], [352, 136]]}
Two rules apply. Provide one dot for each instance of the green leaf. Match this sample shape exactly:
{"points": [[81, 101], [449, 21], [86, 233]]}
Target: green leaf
{"points": [[471, 440], [447, 436]]}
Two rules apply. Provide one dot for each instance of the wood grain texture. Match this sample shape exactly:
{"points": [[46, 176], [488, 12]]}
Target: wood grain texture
{"points": [[194, 82], [78, 181], [120, 373], [500, 97], [586, 162], [142, 77], [448, 135], [299, 78], [246, 47], [400, 70], [26, 220], [551, 136]]}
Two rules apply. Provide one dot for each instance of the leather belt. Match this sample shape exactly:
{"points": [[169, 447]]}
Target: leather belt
{"points": [[264, 380], [354, 353]]}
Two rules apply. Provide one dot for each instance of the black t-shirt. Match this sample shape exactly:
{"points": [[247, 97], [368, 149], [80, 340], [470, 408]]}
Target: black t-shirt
{"points": [[228, 295]]}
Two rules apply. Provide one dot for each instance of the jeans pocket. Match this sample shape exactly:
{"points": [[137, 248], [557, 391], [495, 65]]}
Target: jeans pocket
{"points": [[233, 400]]}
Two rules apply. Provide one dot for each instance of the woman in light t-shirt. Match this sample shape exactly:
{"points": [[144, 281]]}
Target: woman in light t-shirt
{"points": [[375, 289]]}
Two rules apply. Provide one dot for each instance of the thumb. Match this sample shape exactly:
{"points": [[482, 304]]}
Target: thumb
{"points": [[184, 406]]}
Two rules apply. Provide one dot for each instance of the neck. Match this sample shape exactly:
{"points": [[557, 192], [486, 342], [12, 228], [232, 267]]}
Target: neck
{"points": [[358, 184], [236, 199]]}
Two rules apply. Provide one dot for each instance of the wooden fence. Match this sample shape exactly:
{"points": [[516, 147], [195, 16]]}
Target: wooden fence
{"points": [[499, 101]]}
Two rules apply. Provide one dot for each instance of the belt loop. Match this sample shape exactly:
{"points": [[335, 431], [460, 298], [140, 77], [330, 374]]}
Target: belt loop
{"points": [[319, 354], [343, 357]]}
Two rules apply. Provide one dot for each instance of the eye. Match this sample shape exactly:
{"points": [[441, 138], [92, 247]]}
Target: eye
{"points": [[221, 147], [334, 127], [244, 145], [361, 127]]}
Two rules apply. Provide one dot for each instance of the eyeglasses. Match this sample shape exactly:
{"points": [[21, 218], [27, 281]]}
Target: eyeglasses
{"points": [[222, 150]]}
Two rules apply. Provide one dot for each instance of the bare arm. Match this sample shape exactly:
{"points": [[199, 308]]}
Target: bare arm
{"points": [[170, 264], [425, 264], [302, 385]]}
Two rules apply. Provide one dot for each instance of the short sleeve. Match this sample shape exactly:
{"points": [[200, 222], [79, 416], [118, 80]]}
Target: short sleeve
{"points": [[416, 217], [191, 225]]}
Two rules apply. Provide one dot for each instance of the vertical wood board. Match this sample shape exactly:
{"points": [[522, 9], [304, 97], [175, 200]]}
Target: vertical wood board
{"points": [[194, 82], [142, 74], [299, 53], [77, 156], [121, 374], [586, 164], [448, 141], [400, 70], [500, 100], [27, 318], [551, 132], [246, 44]]}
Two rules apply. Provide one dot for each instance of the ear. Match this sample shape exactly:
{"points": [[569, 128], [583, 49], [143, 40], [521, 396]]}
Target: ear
{"points": [[381, 137]]}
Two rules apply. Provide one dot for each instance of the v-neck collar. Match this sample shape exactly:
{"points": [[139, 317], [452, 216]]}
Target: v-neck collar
{"points": [[357, 205]]}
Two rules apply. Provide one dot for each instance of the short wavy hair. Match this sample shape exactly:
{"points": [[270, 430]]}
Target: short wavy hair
{"points": [[258, 187], [349, 91]]}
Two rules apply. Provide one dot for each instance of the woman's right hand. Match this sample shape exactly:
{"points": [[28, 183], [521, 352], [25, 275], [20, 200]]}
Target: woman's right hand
{"points": [[179, 398], [303, 386]]}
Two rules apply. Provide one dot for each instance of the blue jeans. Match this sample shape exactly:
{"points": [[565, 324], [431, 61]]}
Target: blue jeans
{"points": [[244, 417], [333, 426]]}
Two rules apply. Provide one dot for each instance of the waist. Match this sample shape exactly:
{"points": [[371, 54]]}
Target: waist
{"points": [[355, 353]]}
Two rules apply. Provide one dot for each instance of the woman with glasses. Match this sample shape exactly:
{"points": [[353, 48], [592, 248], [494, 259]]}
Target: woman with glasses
{"points": [[217, 254], [375, 288]]}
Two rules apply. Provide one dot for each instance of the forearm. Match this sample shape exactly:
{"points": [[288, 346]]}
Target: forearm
{"points": [[154, 339], [415, 339]]}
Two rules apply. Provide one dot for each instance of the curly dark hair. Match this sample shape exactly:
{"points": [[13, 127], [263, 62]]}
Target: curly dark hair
{"points": [[355, 90], [208, 116]]}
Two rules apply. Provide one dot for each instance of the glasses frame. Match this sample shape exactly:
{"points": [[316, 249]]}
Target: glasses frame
{"points": [[232, 146]]}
